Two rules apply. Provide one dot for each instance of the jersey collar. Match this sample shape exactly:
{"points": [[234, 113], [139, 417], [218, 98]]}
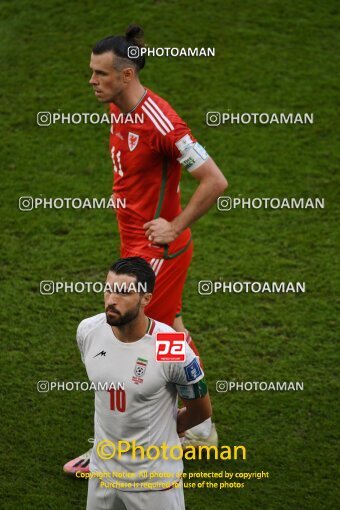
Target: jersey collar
{"points": [[151, 326], [139, 102]]}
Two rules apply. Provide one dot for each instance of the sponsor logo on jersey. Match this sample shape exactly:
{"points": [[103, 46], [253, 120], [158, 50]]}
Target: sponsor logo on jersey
{"points": [[101, 353], [139, 370], [170, 346], [132, 141], [193, 370]]}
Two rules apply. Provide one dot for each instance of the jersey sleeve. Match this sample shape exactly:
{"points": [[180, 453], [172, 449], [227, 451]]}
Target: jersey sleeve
{"points": [[80, 340], [172, 137], [169, 130], [185, 373]]}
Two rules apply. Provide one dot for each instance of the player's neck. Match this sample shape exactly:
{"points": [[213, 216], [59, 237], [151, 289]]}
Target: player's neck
{"points": [[133, 331], [129, 99]]}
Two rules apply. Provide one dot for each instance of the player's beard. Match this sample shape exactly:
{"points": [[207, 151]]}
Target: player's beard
{"points": [[121, 320]]}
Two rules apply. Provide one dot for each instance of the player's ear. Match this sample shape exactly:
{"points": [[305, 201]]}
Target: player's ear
{"points": [[146, 298], [128, 74]]}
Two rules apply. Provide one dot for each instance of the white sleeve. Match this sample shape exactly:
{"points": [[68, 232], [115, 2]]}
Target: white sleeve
{"points": [[80, 340], [186, 372]]}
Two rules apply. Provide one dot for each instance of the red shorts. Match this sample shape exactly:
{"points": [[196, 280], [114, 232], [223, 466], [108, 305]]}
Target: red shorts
{"points": [[171, 274]]}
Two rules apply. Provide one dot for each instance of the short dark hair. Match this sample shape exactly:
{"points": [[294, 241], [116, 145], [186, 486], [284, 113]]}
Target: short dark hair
{"points": [[119, 45], [138, 267]]}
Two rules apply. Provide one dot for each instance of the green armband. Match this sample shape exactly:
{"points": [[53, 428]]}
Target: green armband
{"points": [[192, 391]]}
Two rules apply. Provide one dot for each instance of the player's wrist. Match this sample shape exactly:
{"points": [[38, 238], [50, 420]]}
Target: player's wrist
{"points": [[176, 228]]}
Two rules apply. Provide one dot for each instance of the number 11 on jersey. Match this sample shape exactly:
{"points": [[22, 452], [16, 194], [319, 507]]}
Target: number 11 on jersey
{"points": [[116, 167]]}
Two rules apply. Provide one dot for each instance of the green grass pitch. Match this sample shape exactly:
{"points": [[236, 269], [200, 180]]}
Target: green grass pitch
{"points": [[271, 56]]}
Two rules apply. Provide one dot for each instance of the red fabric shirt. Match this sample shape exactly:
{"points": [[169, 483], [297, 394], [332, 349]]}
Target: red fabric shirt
{"points": [[146, 174]]}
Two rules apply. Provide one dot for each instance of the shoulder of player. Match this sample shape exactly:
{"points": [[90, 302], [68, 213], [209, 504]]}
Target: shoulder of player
{"points": [[88, 325], [160, 114], [160, 101], [160, 327]]}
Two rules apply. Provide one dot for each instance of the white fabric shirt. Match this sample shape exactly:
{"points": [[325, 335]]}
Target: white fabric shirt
{"points": [[146, 409]]}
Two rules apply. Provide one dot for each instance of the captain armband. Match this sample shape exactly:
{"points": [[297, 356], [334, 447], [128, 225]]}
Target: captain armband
{"points": [[193, 155], [192, 391]]}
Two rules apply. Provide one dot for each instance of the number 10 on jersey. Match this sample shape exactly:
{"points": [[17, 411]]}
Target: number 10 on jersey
{"points": [[117, 400]]}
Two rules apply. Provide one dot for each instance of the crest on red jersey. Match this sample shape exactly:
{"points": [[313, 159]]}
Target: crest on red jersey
{"points": [[133, 141]]}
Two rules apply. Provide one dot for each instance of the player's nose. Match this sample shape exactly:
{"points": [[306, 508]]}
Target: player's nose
{"points": [[93, 80], [113, 299]]}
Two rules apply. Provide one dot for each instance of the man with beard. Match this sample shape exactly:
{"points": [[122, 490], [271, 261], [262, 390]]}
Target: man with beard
{"points": [[119, 347]]}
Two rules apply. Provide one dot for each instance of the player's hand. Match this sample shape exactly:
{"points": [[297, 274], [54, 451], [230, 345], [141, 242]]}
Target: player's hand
{"points": [[160, 231]]}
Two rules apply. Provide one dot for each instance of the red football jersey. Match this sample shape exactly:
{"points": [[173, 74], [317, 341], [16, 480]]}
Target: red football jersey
{"points": [[147, 174]]}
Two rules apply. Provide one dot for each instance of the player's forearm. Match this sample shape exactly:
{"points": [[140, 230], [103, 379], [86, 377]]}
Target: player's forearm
{"points": [[188, 418], [186, 421], [201, 201]]}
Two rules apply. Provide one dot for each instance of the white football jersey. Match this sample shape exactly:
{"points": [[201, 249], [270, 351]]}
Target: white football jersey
{"points": [[145, 410]]}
